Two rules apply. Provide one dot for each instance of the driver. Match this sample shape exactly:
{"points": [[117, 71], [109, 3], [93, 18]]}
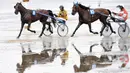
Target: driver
{"points": [[62, 13], [122, 15]]}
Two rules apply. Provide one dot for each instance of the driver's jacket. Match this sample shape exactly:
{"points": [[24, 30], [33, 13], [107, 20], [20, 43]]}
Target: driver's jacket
{"points": [[63, 14], [123, 14]]}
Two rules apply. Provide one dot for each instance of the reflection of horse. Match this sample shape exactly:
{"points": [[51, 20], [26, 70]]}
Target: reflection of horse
{"points": [[87, 16], [30, 58], [88, 62], [29, 16]]}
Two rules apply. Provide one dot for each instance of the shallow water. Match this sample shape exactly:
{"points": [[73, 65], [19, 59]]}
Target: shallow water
{"points": [[11, 50]]}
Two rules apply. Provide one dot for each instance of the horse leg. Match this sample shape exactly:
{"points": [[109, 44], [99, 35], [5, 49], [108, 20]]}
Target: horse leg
{"points": [[29, 49], [90, 29], [103, 20], [29, 24], [43, 28], [49, 24], [103, 27], [76, 28], [111, 28], [22, 25], [91, 47], [23, 50]]}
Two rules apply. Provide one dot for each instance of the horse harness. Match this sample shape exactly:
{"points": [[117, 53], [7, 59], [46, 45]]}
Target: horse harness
{"points": [[91, 13]]}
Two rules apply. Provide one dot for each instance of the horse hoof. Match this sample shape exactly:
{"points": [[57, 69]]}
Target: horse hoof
{"points": [[114, 32], [34, 31], [17, 37], [101, 34], [51, 32], [96, 33], [39, 36]]}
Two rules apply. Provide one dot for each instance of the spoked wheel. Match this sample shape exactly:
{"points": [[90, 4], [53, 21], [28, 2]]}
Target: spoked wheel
{"points": [[62, 30], [107, 32], [47, 31], [123, 31]]}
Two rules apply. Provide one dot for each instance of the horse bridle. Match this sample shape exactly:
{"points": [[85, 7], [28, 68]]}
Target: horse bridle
{"points": [[16, 7]]}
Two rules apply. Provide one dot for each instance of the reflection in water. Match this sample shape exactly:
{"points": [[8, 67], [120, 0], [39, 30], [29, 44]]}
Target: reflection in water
{"points": [[55, 42], [88, 62], [47, 42], [107, 43], [30, 58], [59, 43], [64, 57], [47, 55], [124, 45]]}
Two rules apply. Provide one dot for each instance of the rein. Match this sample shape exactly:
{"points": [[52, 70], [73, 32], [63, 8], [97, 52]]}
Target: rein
{"points": [[50, 16], [46, 15]]}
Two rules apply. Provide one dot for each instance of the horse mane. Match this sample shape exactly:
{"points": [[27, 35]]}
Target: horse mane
{"points": [[83, 7], [21, 5]]}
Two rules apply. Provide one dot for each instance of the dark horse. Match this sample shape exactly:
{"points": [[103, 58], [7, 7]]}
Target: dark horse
{"points": [[28, 17], [86, 17]]}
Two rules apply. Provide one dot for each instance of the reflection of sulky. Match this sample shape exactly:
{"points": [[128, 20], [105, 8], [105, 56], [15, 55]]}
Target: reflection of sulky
{"points": [[47, 42], [124, 58], [59, 45], [124, 45], [107, 43], [62, 44]]}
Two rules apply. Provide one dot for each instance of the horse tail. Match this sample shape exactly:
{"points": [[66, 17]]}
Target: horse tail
{"points": [[52, 17], [111, 15]]}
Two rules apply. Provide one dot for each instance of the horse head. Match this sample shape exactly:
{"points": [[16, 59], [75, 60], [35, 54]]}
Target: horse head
{"points": [[75, 8], [20, 69], [16, 7]]}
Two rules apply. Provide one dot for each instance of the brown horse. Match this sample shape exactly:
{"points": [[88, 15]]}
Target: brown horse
{"points": [[28, 17], [85, 16]]}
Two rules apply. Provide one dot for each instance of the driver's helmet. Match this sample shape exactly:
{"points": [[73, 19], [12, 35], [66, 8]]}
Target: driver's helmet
{"points": [[61, 7], [120, 6]]}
